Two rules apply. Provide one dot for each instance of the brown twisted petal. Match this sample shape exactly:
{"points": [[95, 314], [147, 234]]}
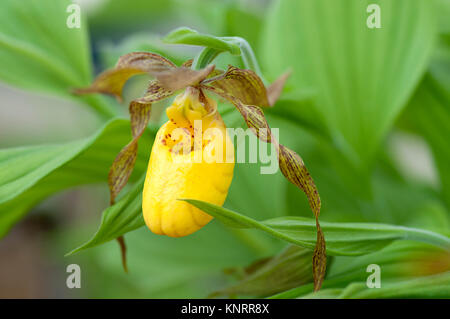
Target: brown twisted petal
{"points": [[292, 167], [123, 164], [140, 110], [112, 81], [245, 85], [319, 258]]}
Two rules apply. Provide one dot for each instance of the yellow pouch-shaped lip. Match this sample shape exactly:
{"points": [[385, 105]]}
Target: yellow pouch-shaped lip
{"points": [[189, 175]]}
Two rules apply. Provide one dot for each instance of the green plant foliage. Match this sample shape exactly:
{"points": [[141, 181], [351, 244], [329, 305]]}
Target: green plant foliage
{"points": [[429, 114], [437, 286], [348, 85], [348, 239], [30, 174], [363, 77], [399, 261], [48, 56], [243, 23]]}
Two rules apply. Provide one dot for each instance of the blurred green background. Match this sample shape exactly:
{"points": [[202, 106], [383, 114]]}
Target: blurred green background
{"points": [[367, 109]]}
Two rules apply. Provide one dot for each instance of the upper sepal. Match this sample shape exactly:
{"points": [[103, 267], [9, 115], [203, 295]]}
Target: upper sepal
{"points": [[247, 86]]}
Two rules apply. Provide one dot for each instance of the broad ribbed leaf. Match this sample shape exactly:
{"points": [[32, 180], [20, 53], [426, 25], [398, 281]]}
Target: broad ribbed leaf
{"points": [[30, 174], [429, 114], [244, 85], [436, 286], [400, 260], [349, 239], [363, 76], [38, 51], [297, 108], [41, 52]]}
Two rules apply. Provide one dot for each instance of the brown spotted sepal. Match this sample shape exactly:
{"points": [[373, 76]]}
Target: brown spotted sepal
{"points": [[245, 90]]}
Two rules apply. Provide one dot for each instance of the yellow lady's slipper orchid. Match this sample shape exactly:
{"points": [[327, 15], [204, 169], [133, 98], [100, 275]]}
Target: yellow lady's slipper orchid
{"points": [[196, 167], [189, 159]]}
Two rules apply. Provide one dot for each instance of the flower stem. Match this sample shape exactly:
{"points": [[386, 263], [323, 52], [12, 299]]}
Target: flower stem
{"points": [[205, 57], [247, 54]]}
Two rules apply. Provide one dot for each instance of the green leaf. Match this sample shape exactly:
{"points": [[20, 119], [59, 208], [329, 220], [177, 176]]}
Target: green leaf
{"points": [[349, 239], [429, 115], [188, 36], [47, 55], [243, 22], [436, 286], [119, 219], [443, 8], [30, 174], [133, 15], [363, 77], [401, 260], [298, 108]]}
